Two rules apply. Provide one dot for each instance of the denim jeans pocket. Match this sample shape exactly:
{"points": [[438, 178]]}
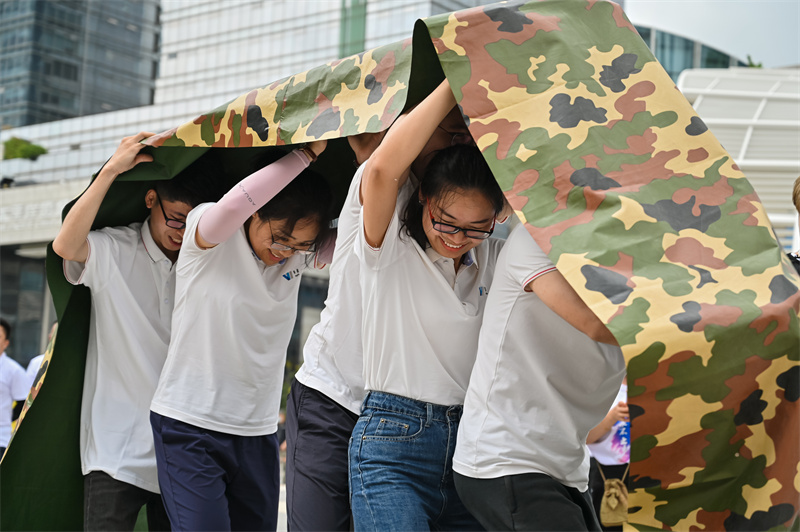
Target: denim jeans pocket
{"points": [[390, 426]]}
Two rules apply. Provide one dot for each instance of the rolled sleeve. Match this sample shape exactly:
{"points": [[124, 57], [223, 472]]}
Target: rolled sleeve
{"points": [[98, 265], [532, 262]]}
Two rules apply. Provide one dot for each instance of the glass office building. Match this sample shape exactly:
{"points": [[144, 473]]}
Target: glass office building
{"points": [[677, 53], [66, 58]]}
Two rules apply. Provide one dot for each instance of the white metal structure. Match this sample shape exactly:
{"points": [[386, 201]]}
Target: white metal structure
{"points": [[755, 114]]}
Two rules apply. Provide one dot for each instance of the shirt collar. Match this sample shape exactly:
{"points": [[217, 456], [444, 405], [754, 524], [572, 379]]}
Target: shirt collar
{"points": [[467, 259], [155, 253]]}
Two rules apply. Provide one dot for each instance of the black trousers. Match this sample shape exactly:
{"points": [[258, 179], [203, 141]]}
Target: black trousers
{"points": [[531, 501], [318, 433], [110, 504]]}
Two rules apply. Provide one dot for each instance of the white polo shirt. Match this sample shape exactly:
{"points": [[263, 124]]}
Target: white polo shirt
{"points": [[421, 320], [233, 322], [14, 386], [332, 354], [538, 386], [133, 286]]}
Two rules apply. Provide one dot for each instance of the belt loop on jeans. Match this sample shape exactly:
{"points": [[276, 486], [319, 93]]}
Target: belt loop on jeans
{"points": [[429, 408], [364, 402]]}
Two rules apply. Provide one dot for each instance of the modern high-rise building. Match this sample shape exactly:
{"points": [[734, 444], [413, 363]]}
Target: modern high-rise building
{"points": [[65, 58]]}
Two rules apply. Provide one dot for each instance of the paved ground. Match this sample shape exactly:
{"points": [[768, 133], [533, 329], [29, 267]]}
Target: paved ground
{"points": [[282, 510]]}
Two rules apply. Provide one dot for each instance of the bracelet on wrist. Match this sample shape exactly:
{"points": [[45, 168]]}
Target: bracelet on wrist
{"points": [[309, 153]]}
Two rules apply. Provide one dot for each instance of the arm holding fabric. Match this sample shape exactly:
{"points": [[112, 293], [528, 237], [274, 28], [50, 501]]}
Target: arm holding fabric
{"points": [[70, 243], [224, 218], [388, 167]]}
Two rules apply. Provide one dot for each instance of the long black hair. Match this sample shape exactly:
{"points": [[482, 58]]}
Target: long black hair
{"points": [[457, 168]]}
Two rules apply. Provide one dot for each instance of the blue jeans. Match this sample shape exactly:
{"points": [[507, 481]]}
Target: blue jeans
{"points": [[401, 466]]}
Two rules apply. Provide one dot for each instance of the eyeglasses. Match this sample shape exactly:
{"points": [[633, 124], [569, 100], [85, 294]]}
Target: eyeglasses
{"points": [[283, 247], [171, 222], [458, 138], [452, 229]]}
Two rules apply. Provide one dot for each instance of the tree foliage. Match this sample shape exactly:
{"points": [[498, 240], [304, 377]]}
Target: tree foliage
{"points": [[17, 148]]}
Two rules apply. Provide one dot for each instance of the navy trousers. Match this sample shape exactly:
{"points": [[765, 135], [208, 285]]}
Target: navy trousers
{"points": [[215, 481]]}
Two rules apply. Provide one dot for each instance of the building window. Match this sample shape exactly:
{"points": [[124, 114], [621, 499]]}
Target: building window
{"points": [[674, 53], [710, 58]]}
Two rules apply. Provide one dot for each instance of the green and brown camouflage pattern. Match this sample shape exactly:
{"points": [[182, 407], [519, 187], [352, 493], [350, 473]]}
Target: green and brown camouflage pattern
{"points": [[616, 177], [655, 226], [364, 92]]}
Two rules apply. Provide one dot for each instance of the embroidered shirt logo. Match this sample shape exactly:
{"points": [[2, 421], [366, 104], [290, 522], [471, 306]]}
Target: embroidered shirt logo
{"points": [[291, 274], [482, 291]]}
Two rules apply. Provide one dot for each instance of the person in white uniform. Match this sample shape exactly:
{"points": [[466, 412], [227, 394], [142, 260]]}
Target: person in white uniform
{"points": [[546, 372], [426, 268], [326, 394], [130, 272], [35, 365], [215, 411], [14, 386]]}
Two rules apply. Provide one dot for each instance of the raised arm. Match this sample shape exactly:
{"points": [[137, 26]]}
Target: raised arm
{"points": [[220, 221], [364, 144], [387, 169], [557, 294], [70, 243], [618, 412]]}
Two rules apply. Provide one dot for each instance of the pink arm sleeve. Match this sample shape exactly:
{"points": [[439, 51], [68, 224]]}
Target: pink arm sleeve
{"points": [[324, 255], [220, 221]]}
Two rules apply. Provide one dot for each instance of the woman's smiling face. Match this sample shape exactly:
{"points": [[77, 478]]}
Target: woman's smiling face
{"points": [[465, 209], [262, 234]]}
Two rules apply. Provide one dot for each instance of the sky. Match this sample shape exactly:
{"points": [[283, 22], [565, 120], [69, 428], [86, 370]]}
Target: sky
{"points": [[767, 30]]}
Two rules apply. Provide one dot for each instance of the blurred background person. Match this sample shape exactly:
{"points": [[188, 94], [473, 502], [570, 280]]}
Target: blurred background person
{"points": [[610, 445], [14, 386]]}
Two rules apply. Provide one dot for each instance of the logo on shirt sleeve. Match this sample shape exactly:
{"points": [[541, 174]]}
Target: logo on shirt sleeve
{"points": [[482, 291]]}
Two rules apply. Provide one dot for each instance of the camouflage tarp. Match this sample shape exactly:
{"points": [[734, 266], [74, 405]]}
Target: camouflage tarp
{"points": [[615, 176]]}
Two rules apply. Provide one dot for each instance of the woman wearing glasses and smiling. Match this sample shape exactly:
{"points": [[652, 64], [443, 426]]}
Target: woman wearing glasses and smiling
{"points": [[426, 268], [215, 411]]}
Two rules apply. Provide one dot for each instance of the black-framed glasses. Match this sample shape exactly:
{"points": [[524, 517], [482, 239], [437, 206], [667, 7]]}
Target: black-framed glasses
{"points": [[452, 229], [171, 222], [283, 247], [458, 138]]}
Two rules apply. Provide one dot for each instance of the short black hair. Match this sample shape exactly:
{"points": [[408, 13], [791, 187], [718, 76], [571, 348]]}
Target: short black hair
{"points": [[6, 328], [200, 182], [459, 167]]}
